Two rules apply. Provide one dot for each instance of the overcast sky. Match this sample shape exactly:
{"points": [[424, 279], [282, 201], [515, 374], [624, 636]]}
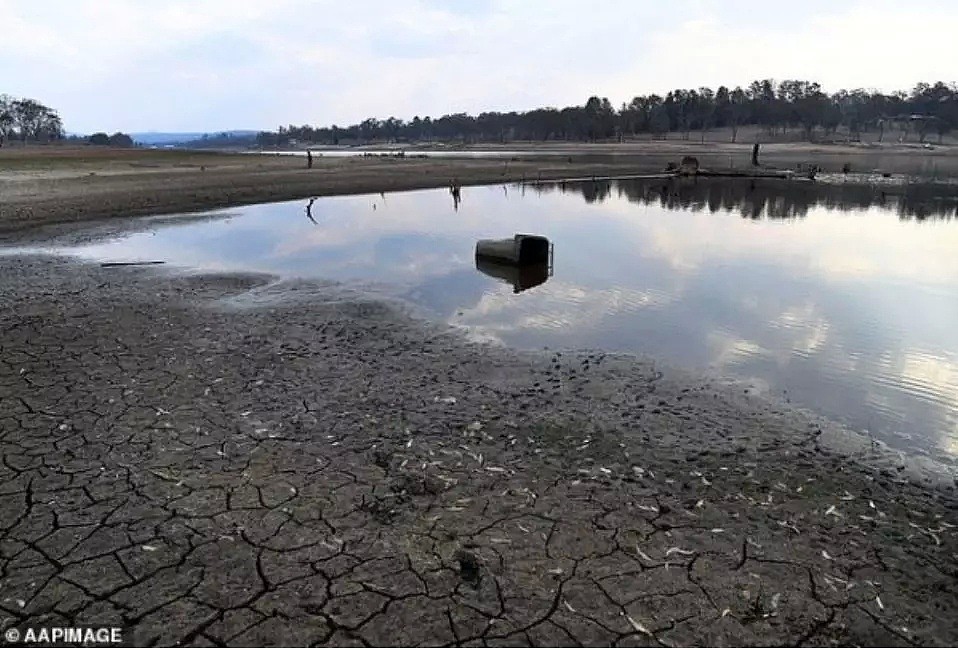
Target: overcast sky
{"points": [[196, 65]]}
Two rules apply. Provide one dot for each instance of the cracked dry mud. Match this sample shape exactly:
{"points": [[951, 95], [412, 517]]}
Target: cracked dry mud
{"points": [[328, 470]]}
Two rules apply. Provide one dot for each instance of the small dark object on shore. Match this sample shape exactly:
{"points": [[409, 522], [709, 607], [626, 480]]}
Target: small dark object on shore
{"points": [[309, 159], [689, 166], [468, 566], [111, 264], [755, 155], [382, 458], [846, 168], [809, 170], [671, 167]]}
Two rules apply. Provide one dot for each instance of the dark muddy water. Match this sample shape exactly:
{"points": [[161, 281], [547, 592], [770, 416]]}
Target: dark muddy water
{"points": [[844, 299]]}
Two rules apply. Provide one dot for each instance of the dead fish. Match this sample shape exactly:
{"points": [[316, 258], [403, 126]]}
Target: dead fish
{"points": [[790, 526], [680, 551], [638, 627]]}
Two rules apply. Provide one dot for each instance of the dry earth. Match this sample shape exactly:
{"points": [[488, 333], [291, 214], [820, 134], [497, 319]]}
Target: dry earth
{"points": [[210, 460]]}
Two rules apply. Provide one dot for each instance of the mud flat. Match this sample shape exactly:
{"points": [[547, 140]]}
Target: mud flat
{"points": [[229, 459]]}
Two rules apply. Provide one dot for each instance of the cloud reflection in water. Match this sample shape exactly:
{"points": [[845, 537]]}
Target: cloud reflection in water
{"points": [[845, 297]]}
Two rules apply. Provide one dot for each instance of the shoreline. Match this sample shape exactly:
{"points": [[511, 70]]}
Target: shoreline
{"points": [[70, 187], [266, 458]]}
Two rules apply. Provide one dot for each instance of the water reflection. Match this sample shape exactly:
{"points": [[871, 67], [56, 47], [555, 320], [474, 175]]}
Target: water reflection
{"points": [[520, 276], [829, 294], [455, 189], [769, 198], [309, 211]]}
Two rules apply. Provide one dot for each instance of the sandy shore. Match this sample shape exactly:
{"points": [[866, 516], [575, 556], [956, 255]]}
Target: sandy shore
{"points": [[225, 459], [57, 186]]}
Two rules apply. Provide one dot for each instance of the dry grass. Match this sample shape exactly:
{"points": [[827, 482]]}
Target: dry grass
{"points": [[81, 159]]}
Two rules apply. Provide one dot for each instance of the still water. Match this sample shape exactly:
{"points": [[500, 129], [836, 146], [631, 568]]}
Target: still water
{"points": [[844, 299], [423, 153]]}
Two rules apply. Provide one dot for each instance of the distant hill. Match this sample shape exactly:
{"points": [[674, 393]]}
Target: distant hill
{"points": [[159, 138]]}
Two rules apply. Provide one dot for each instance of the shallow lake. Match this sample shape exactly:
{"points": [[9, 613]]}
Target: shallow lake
{"points": [[429, 153], [844, 300]]}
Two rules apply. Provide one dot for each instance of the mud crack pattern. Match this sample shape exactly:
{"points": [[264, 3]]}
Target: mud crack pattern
{"points": [[325, 470]]}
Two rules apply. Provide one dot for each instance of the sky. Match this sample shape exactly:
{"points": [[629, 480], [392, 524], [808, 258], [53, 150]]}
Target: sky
{"points": [[207, 65]]}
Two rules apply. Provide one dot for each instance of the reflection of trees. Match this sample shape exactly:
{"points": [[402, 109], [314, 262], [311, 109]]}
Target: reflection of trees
{"points": [[770, 198]]}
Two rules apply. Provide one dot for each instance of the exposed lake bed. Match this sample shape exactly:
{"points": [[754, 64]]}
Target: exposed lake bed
{"points": [[256, 435], [213, 439]]}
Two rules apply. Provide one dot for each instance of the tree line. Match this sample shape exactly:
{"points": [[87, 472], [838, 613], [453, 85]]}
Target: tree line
{"points": [[27, 119], [772, 200], [776, 107], [116, 140]]}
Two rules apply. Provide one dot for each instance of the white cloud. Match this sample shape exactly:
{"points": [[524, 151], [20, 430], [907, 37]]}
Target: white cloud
{"points": [[175, 64], [888, 46]]}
